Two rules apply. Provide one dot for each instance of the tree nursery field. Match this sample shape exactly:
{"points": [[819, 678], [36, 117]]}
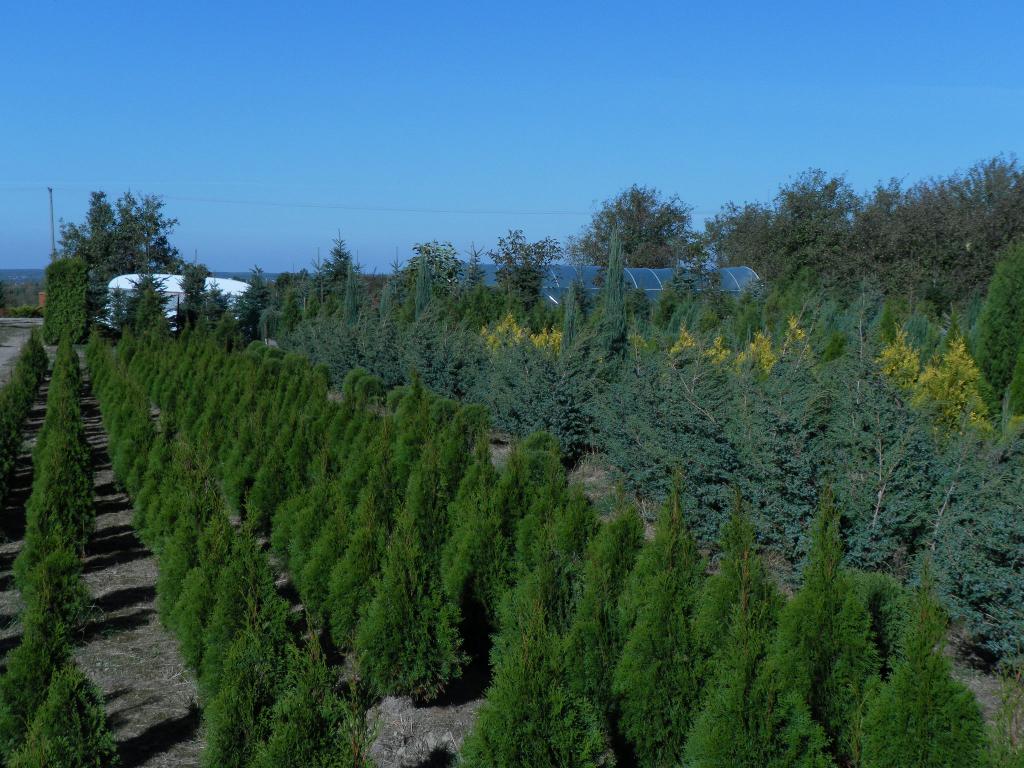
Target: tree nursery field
{"points": [[454, 516]]}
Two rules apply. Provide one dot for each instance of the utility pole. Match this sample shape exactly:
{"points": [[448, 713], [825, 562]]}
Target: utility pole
{"points": [[53, 241]]}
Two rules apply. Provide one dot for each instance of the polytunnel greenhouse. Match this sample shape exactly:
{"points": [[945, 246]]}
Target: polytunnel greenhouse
{"points": [[558, 278]]}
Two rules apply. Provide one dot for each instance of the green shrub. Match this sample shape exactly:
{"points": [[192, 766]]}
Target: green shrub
{"points": [[69, 729], [29, 668], [66, 314], [596, 634], [657, 679], [922, 717], [530, 719], [237, 717], [408, 642], [1001, 323], [824, 650], [312, 726]]}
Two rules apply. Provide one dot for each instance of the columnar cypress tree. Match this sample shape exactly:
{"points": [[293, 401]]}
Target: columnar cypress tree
{"points": [[530, 718], [613, 300], [238, 716], [824, 649], [922, 717], [594, 641], [29, 668], [424, 286], [311, 726], [69, 728], [1001, 323], [657, 679], [409, 643], [351, 582], [749, 719]]}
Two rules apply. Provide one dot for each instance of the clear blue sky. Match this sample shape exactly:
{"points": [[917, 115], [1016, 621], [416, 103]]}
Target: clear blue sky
{"points": [[461, 107]]}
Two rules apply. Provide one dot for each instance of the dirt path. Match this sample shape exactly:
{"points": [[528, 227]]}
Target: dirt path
{"points": [[151, 695]]}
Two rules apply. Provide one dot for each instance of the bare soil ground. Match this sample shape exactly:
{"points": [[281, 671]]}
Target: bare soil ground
{"points": [[151, 696]]}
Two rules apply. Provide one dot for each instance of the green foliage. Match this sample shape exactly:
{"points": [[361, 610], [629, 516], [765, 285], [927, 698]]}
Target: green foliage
{"points": [[750, 717], [16, 398], [408, 643], [921, 717], [312, 726], [530, 718], [596, 635], [66, 311], [238, 714], [43, 650], [69, 730], [613, 308], [656, 681], [1001, 324], [823, 650]]}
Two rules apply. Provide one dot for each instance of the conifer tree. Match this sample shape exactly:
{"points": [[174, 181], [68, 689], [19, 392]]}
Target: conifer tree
{"points": [[824, 650], [245, 597], [424, 287], [238, 715], [1001, 323], [1015, 394], [351, 581], [56, 586], [69, 728], [530, 718], [749, 718], [408, 642], [613, 300], [311, 726], [290, 312], [594, 641], [26, 678], [921, 717], [657, 679]]}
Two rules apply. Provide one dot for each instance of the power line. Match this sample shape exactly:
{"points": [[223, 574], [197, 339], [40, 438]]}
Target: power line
{"points": [[381, 208]]}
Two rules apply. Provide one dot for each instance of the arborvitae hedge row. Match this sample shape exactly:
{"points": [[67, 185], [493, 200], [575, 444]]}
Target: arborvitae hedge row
{"points": [[216, 588], [50, 714], [66, 314], [16, 397]]}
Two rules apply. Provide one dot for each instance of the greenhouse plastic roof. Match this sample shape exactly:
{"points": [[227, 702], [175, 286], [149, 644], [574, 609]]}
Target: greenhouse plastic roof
{"points": [[559, 277]]}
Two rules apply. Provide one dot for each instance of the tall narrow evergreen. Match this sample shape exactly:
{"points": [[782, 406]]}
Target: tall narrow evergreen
{"points": [[613, 300], [1001, 323], [921, 717], [656, 682], [424, 286], [824, 649], [595, 638]]}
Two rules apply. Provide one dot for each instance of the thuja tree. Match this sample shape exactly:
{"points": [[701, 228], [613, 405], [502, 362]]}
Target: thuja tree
{"points": [[530, 718], [311, 725], [43, 650], [237, 717], [824, 650], [595, 637], [69, 728], [409, 643], [656, 682], [749, 717], [921, 717], [66, 311], [1001, 324]]}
